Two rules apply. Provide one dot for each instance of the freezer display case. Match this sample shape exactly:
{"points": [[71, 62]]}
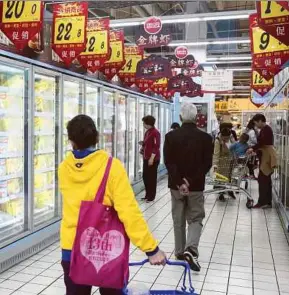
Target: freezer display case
{"points": [[45, 155], [121, 129], [109, 122], [143, 111], [132, 137], [92, 103], [12, 161], [72, 106]]}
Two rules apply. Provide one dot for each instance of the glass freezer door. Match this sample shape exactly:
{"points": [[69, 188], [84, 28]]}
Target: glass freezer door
{"points": [[12, 96], [143, 111], [45, 155], [72, 106], [92, 103], [132, 137], [121, 134], [109, 121]]}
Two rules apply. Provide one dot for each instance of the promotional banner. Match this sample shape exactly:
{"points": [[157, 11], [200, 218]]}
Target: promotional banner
{"points": [[97, 50], [152, 34], [194, 71], [132, 55], [284, 4], [186, 62], [69, 30], [144, 84], [21, 21], [194, 91], [180, 83], [220, 81], [153, 68], [168, 94], [274, 19], [267, 52], [260, 84], [116, 61]]}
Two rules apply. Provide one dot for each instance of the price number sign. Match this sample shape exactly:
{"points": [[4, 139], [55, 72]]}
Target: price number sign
{"points": [[258, 80], [69, 29], [21, 11], [271, 9], [96, 43], [116, 52]]}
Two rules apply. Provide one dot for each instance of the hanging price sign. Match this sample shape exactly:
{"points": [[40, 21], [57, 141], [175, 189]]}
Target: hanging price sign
{"points": [[69, 30], [284, 4], [260, 84], [116, 61], [21, 21], [168, 94], [144, 84], [274, 19], [160, 86], [132, 55], [97, 45], [267, 52]]}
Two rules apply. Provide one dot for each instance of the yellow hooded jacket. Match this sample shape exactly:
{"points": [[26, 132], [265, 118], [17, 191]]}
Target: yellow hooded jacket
{"points": [[79, 180]]}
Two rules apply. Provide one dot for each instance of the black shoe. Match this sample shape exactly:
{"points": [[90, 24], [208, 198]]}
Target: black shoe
{"points": [[192, 260], [180, 257], [221, 197], [144, 199], [232, 195]]}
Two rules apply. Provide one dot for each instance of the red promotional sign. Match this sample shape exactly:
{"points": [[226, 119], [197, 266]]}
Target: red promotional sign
{"points": [[160, 86], [274, 19], [184, 62], [69, 30], [116, 60], [260, 84], [153, 68], [144, 84], [267, 52], [180, 83], [181, 52], [167, 94], [21, 21], [152, 34], [132, 55], [97, 50], [194, 91], [284, 4]]}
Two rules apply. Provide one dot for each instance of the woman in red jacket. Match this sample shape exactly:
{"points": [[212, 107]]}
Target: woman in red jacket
{"points": [[151, 155]]}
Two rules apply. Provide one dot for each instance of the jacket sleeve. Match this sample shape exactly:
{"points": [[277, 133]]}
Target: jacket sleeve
{"points": [[156, 143], [126, 206], [208, 155], [170, 162], [217, 152]]}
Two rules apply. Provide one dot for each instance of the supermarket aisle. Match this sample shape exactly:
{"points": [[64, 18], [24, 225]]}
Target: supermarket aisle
{"points": [[242, 253]]}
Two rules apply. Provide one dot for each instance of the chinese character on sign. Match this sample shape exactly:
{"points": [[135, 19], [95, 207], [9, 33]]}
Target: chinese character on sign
{"points": [[268, 62], [64, 54], [142, 41], [89, 63], [153, 39], [72, 53], [277, 61], [25, 35], [15, 36], [280, 31], [164, 38]]}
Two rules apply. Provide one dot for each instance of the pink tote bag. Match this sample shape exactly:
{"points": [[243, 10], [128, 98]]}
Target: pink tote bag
{"points": [[100, 255]]}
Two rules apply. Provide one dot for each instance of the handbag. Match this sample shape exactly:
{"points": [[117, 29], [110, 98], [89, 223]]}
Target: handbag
{"points": [[100, 254]]}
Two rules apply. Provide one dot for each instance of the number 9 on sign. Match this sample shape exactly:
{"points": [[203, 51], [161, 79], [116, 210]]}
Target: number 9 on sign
{"points": [[116, 51], [69, 30]]}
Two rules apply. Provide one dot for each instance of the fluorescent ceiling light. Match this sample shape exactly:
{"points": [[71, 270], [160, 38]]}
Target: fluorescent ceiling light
{"points": [[228, 62], [124, 24], [237, 69], [203, 43], [248, 57], [225, 17], [234, 94]]}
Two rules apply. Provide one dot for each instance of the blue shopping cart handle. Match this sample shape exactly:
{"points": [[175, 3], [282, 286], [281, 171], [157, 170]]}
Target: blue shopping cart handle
{"points": [[178, 263]]}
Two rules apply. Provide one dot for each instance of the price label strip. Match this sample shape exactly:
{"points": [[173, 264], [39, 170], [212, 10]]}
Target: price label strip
{"points": [[69, 30], [97, 50], [260, 84], [133, 55], [116, 60], [21, 21], [273, 18], [268, 53]]}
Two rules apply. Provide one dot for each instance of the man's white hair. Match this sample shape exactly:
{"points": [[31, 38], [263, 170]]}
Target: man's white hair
{"points": [[188, 112]]}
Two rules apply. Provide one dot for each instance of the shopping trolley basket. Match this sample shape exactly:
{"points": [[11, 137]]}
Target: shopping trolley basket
{"points": [[228, 177], [184, 290]]}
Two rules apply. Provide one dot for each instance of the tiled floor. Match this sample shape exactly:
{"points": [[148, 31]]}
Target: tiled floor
{"points": [[242, 252]]}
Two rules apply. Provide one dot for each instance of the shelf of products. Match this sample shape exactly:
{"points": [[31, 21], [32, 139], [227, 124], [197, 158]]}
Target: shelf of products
{"points": [[12, 83]]}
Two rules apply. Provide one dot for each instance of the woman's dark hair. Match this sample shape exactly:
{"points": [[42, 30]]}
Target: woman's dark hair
{"points": [[244, 137], [175, 125], [82, 132], [149, 120], [226, 125], [225, 132], [259, 117], [251, 125]]}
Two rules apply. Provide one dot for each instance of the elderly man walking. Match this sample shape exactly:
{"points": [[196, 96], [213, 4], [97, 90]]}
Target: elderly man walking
{"points": [[188, 157]]}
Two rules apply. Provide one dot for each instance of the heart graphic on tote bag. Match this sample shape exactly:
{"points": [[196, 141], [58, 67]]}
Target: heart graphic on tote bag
{"points": [[101, 249]]}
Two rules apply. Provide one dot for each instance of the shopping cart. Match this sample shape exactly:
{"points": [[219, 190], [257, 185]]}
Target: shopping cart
{"points": [[228, 177], [184, 290]]}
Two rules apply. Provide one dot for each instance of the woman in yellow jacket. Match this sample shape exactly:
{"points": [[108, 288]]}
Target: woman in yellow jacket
{"points": [[79, 176]]}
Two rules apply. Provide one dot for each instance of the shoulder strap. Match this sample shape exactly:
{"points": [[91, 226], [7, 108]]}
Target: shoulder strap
{"points": [[101, 190]]}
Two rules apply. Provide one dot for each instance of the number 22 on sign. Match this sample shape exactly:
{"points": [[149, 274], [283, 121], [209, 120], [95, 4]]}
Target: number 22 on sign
{"points": [[21, 11], [69, 30]]}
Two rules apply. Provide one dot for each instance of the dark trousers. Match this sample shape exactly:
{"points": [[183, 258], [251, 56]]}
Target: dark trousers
{"points": [[150, 174], [265, 189], [74, 289]]}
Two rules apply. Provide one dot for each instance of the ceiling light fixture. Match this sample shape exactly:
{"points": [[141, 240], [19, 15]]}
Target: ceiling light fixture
{"points": [[228, 62], [204, 43], [247, 57]]}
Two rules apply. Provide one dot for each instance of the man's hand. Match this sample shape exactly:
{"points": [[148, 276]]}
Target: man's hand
{"points": [[250, 151], [151, 161], [158, 259]]}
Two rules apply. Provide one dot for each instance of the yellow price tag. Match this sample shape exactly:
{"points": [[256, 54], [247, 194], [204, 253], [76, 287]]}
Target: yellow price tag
{"points": [[270, 9], [69, 30], [116, 52], [21, 11], [96, 43], [131, 64], [258, 80], [265, 43]]}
